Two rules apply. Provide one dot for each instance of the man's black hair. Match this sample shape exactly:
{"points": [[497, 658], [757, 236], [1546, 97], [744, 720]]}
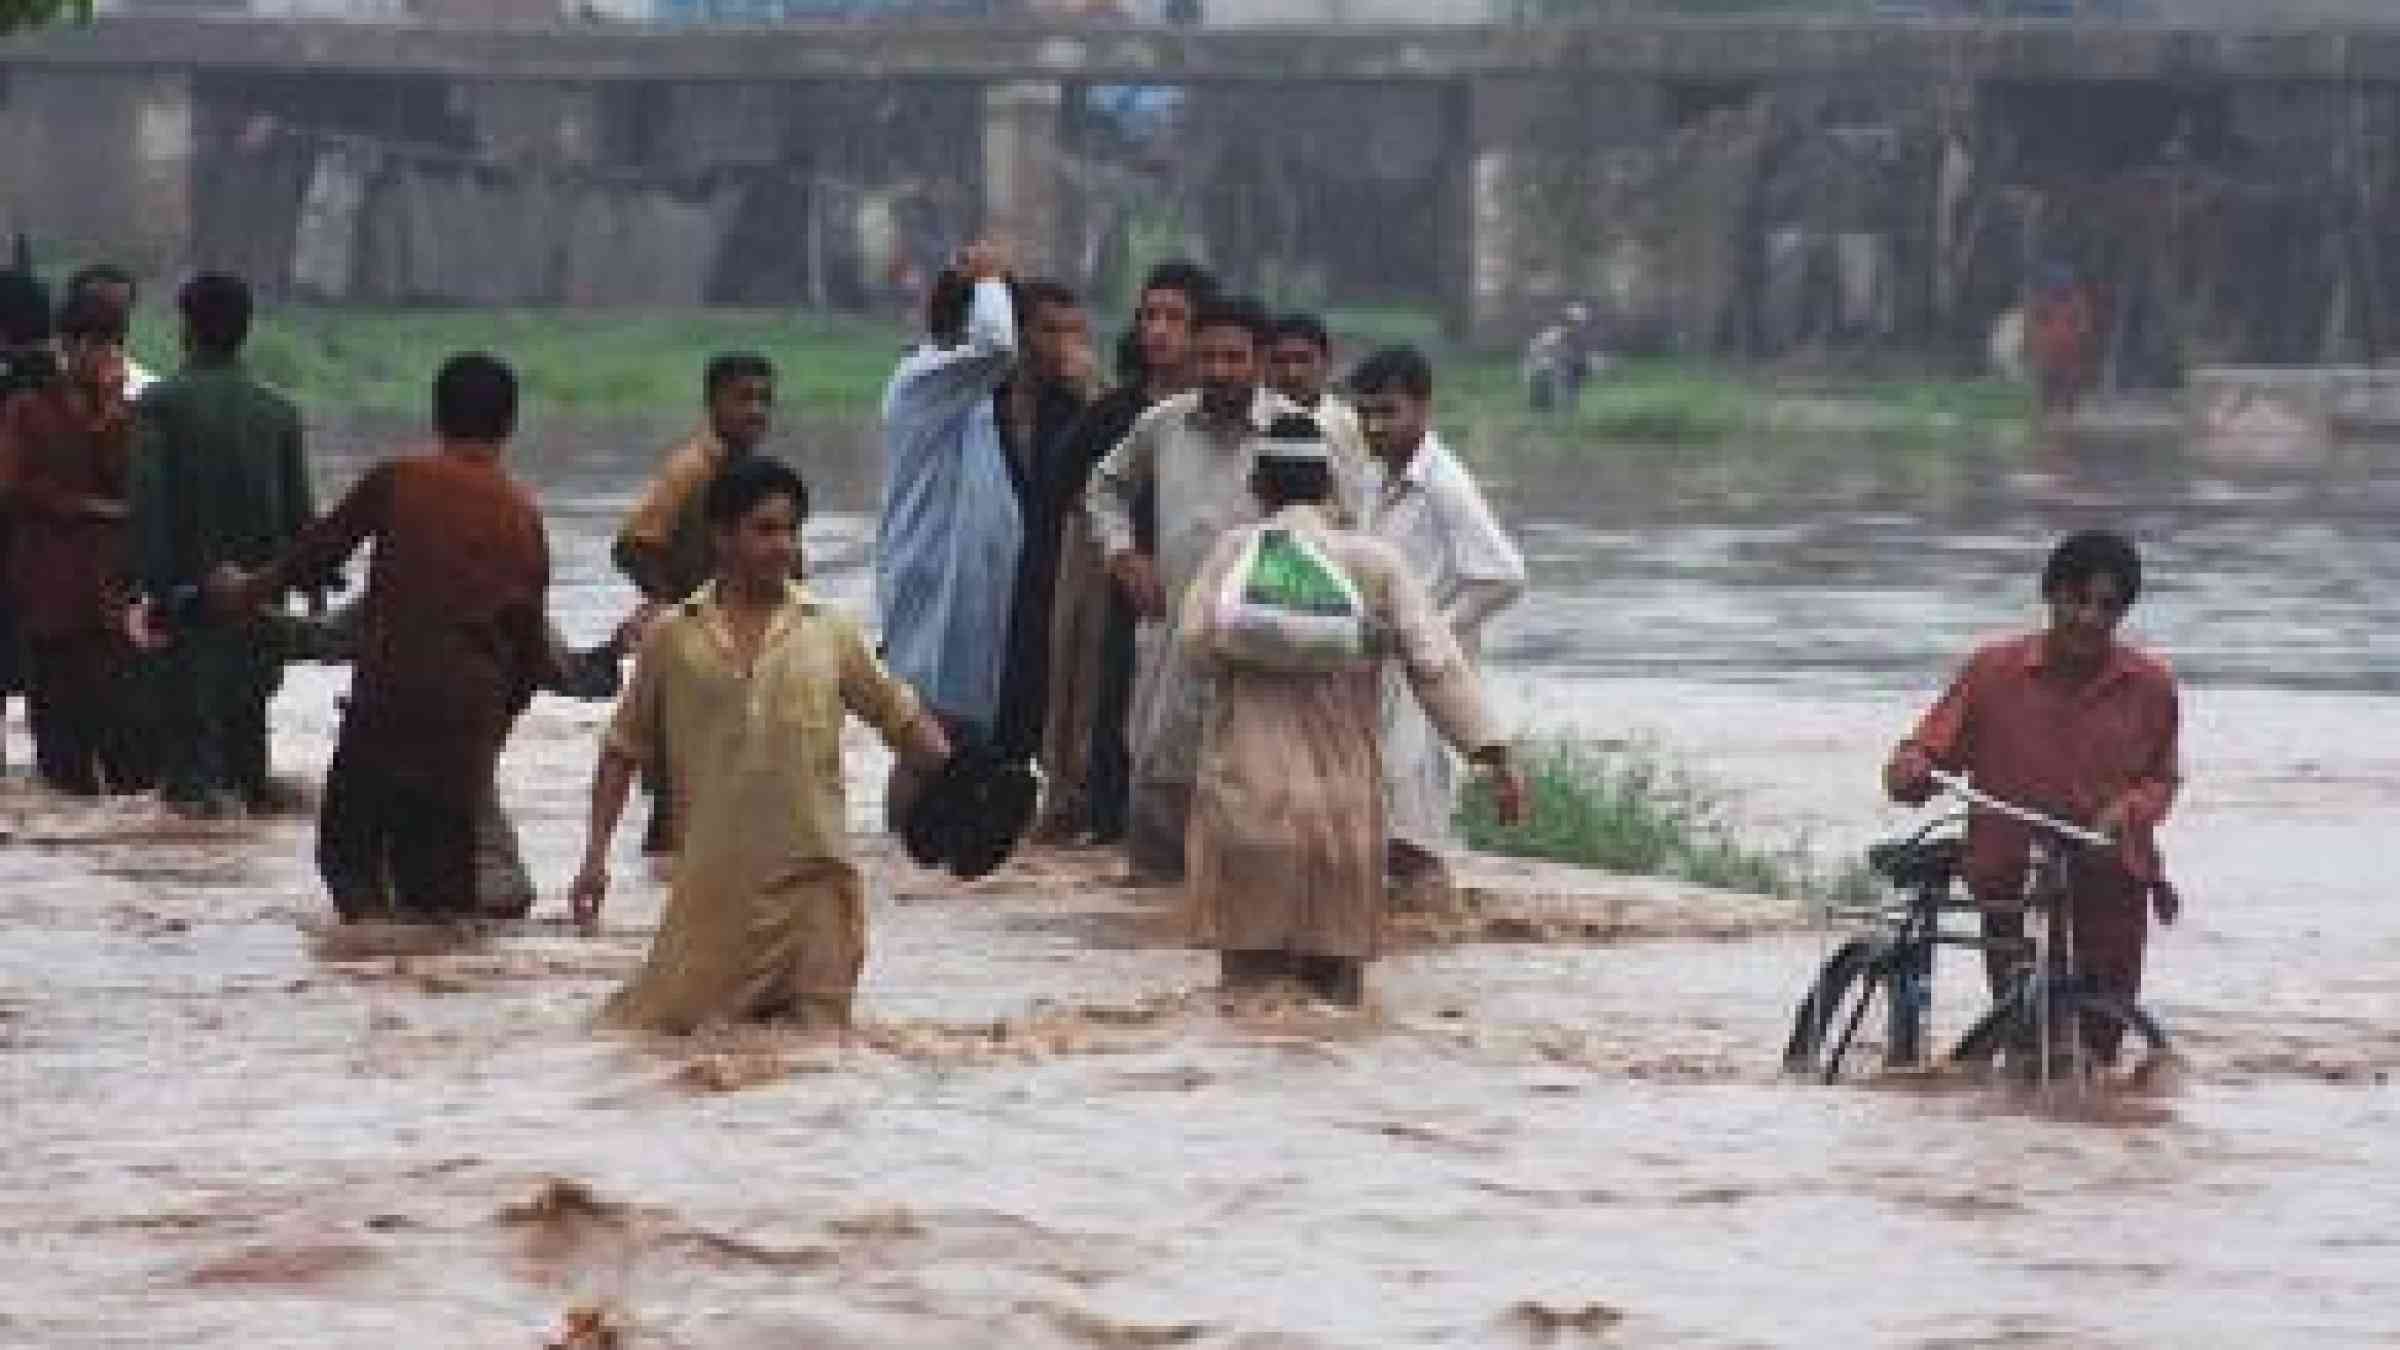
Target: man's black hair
{"points": [[742, 484], [1042, 292], [1279, 483], [216, 308], [1306, 327], [24, 309], [1182, 274], [2089, 553], [88, 314], [101, 274], [475, 398], [726, 367], [1236, 311], [1403, 368]]}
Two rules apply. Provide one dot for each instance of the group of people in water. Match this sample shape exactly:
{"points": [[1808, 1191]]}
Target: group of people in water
{"points": [[1070, 569]]}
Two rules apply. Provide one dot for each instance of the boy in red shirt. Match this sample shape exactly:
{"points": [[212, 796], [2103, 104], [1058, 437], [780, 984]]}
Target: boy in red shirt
{"points": [[2075, 724]]}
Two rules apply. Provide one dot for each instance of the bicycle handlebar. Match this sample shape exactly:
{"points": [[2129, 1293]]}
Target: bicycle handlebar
{"points": [[1956, 784]]}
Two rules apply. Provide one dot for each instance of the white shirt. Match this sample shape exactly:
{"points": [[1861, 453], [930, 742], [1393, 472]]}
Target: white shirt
{"points": [[1437, 517], [1433, 513]]}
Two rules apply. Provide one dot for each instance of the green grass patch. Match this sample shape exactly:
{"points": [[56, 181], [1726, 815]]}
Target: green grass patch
{"points": [[1632, 809], [616, 362], [593, 361]]}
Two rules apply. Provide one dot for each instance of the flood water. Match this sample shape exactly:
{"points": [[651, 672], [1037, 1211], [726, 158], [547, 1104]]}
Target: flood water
{"points": [[1047, 1135]]}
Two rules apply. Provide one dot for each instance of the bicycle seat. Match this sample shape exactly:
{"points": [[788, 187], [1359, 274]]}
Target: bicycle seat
{"points": [[1914, 864]]}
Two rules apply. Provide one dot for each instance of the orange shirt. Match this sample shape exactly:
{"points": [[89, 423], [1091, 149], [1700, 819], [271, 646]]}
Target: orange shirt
{"points": [[2064, 750], [453, 633]]}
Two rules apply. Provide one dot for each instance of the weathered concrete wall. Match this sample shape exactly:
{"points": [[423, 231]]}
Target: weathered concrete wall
{"points": [[411, 190], [1024, 171], [1761, 190], [99, 156], [1658, 49], [1322, 192], [1804, 219]]}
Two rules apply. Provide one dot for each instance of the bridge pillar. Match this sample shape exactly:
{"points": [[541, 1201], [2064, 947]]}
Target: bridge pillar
{"points": [[1495, 246], [1025, 191], [100, 162]]}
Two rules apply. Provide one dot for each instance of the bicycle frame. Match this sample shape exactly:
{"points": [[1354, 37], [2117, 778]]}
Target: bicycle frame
{"points": [[1891, 954], [2040, 980]]}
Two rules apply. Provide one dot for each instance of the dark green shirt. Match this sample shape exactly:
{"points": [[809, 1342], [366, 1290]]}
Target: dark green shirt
{"points": [[218, 475]]}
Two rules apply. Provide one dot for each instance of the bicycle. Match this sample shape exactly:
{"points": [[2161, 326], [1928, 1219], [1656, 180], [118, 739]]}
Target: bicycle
{"points": [[1894, 961]]}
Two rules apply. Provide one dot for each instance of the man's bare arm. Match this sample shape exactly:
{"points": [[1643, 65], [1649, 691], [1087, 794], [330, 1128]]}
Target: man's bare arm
{"points": [[612, 783]]}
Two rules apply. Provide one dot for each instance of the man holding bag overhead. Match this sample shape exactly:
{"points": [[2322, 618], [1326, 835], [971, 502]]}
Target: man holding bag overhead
{"points": [[1292, 620]]}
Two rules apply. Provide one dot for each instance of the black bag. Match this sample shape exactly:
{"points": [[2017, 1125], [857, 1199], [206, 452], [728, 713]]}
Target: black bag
{"points": [[971, 816]]}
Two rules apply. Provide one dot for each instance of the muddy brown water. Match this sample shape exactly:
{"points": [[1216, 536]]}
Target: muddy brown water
{"points": [[1047, 1134]]}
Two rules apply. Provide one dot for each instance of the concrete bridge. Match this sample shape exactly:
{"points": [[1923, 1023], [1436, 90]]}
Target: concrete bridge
{"points": [[167, 140], [1746, 48]]}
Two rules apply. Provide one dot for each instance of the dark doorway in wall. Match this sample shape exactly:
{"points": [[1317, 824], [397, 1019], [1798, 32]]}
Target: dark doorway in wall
{"points": [[2074, 127]]}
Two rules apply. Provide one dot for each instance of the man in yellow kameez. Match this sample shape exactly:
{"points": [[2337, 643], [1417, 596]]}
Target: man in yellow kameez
{"points": [[738, 697], [1286, 846]]}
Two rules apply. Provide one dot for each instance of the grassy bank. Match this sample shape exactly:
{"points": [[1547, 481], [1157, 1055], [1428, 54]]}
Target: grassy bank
{"points": [[603, 362], [1633, 810], [1683, 401], [622, 362]]}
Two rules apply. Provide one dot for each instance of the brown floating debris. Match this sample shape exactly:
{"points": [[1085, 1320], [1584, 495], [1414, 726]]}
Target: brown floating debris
{"points": [[559, 1200], [589, 1327], [1547, 1323], [733, 1070], [1093, 1329], [304, 1264]]}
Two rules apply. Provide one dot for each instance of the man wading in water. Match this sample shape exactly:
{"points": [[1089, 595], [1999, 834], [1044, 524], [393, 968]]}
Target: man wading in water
{"points": [[1423, 502], [1191, 454], [738, 699], [2075, 724], [663, 546], [1085, 759], [217, 478], [950, 530], [1287, 833], [453, 640]]}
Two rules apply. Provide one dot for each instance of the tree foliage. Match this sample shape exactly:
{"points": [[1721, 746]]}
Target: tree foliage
{"points": [[17, 15]]}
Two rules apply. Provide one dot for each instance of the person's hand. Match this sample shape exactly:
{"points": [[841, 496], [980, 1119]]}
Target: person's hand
{"points": [[584, 897], [635, 628], [1509, 789], [1510, 795], [1136, 575], [984, 260], [2113, 818], [1908, 778]]}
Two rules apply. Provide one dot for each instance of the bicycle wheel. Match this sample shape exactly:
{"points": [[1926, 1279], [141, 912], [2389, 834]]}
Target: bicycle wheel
{"points": [[2141, 1042], [1826, 1023], [2008, 1029]]}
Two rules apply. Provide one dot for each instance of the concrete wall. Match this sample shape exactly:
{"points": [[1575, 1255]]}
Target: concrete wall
{"points": [[102, 158]]}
